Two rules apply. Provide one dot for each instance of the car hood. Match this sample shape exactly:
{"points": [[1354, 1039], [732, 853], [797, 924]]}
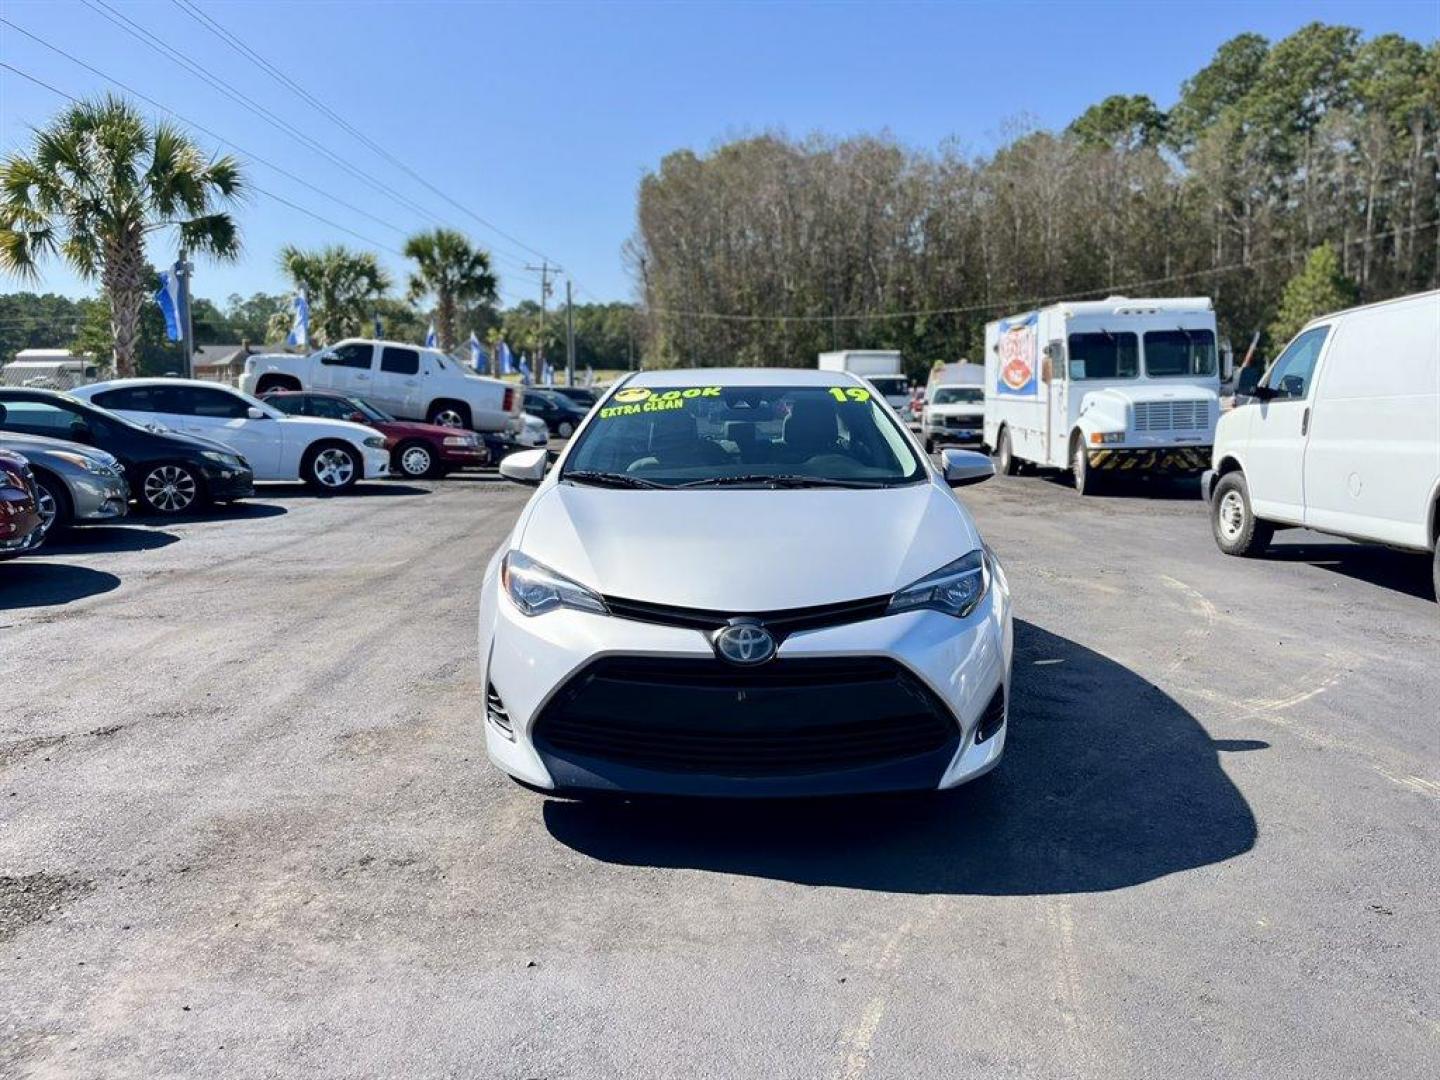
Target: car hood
{"points": [[340, 429], [744, 549], [976, 408], [401, 429], [39, 445]]}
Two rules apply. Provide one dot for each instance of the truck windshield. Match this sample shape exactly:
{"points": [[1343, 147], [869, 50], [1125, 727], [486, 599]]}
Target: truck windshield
{"points": [[1179, 352], [891, 385], [958, 395], [743, 436], [1104, 355]]}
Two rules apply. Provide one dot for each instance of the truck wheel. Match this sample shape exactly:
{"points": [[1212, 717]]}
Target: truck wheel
{"points": [[415, 460], [331, 467], [1087, 481], [1237, 530], [449, 414], [1005, 456]]}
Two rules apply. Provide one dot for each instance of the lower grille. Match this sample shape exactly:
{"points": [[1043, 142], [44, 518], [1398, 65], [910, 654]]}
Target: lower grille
{"points": [[993, 718], [787, 717], [495, 710]]}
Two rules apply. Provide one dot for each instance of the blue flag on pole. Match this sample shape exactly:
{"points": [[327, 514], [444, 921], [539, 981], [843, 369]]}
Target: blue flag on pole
{"points": [[525, 376], [549, 373], [168, 297], [300, 328], [430, 339], [379, 329], [507, 359], [478, 360]]}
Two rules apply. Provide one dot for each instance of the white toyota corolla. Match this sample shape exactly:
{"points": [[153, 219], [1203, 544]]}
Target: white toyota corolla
{"points": [[744, 582]]}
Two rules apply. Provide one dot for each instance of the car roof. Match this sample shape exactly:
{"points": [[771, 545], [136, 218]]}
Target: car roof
{"points": [[155, 381], [756, 376]]}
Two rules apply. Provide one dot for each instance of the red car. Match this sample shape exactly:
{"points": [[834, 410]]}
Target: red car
{"points": [[418, 451], [19, 507]]}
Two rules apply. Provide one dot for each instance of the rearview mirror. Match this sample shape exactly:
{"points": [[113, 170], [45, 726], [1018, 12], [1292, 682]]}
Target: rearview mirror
{"points": [[255, 413], [526, 466], [964, 467]]}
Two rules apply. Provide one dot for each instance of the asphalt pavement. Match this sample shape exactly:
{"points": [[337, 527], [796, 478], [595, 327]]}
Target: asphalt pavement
{"points": [[247, 828]]}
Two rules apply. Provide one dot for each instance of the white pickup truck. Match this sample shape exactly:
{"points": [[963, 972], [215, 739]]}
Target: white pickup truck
{"points": [[406, 381]]}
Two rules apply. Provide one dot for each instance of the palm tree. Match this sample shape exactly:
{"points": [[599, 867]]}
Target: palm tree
{"points": [[453, 272], [341, 285], [98, 181]]}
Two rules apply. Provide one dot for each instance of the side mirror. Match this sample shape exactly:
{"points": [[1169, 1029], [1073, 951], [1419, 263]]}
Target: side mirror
{"points": [[526, 466], [1261, 392], [255, 414], [965, 467]]}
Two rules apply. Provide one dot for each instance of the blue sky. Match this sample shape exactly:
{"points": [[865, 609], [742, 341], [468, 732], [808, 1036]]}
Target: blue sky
{"points": [[542, 117]]}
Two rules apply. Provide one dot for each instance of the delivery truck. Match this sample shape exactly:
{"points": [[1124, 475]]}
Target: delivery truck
{"points": [[1104, 387], [883, 367]]}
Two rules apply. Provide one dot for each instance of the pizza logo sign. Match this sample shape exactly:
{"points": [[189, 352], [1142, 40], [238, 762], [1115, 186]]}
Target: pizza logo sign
{"points": [[1017, 358]]}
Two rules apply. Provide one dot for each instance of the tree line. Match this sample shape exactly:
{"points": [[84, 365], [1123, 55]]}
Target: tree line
{"points": [[1319, 147], [100, 179]]}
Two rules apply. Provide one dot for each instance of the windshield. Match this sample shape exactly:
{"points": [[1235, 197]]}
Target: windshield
{"points": [[958, 395], [1104, 355], [746, 436], [891, 385], [1179, 352]]}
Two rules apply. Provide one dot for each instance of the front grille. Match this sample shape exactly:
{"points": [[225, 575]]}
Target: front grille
{"points": [[993, 718], [787, 717], [1172, 415], [781, 623]]}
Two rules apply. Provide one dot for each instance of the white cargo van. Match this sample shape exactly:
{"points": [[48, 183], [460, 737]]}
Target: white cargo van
{"points": [[883, 367], [1103, 387], [1342, 435]]}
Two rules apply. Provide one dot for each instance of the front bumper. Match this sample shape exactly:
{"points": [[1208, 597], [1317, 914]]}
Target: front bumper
{"points": [[1171, 460], [463, 457], [99, 498], [603, 703], [377, 462], [226, 485], [965, 436]]}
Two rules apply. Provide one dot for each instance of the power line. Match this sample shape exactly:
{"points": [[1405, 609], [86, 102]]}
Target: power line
{"points": [[246, 51], [1016, 304]]}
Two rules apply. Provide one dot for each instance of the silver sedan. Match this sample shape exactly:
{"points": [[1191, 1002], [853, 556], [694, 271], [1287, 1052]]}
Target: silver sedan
{"points": [[77, 482]]}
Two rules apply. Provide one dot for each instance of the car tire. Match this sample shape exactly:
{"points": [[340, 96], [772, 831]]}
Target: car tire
{"points": [[416, 460], [1005, 455], [171, 490], [1435, 569], [452, 414], [331, 467], [1087, 480], [55, 505], [565, 429], [1237, 530]]}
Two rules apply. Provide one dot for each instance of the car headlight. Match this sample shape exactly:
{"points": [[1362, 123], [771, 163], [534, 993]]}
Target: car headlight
{"points": [[954, 589], [80, 461], [230, 461], [535, 589], [1100, 438], [375, 442], [459, 440]]}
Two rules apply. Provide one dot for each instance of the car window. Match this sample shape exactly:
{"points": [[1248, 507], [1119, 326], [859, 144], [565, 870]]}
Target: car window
{"points": [[289, 404], [534, 403], [150, 399], [354, 355], [1294, 369], [39, 418], [1179, 352], [399, 361], [958, 395], [677, 435], [1104, 355], [330, 408], [204, 401]]}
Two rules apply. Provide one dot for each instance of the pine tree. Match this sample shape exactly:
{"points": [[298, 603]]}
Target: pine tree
{"points": [[1319, 288]]}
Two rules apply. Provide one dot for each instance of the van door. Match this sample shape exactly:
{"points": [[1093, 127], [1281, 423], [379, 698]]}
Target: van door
{"points": [[1057, 430], [1373, 458], [1275, 452]]}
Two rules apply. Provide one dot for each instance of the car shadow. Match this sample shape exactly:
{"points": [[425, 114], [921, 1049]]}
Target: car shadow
{"points": [[239, 511], [95, 539], [365, 490], [25, 584], [1400, 571], [1107, 782]]}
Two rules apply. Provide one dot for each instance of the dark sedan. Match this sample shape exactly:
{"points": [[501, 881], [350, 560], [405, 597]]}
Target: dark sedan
{"points": [[561, 415], [169, 473], [21, 526]]}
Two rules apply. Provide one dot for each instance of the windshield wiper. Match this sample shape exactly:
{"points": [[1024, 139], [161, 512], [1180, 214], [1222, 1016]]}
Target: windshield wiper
{"points": [[779, 480], [609, 479]]}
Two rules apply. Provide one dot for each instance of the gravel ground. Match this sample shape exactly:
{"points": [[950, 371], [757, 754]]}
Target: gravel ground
{"points": [[247, 828]]}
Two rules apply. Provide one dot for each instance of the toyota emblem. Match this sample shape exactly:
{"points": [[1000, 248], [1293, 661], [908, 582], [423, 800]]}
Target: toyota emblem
{"points": [[744, 642]]}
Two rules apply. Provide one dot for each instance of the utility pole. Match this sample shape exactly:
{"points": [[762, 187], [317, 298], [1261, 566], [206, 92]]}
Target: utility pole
{"points": [[569, 337], [187, 328], [546, 269]]}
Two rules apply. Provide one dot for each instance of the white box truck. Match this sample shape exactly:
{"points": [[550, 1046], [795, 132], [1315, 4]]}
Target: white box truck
{"points": [[1104, 386], [883, 367]]}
